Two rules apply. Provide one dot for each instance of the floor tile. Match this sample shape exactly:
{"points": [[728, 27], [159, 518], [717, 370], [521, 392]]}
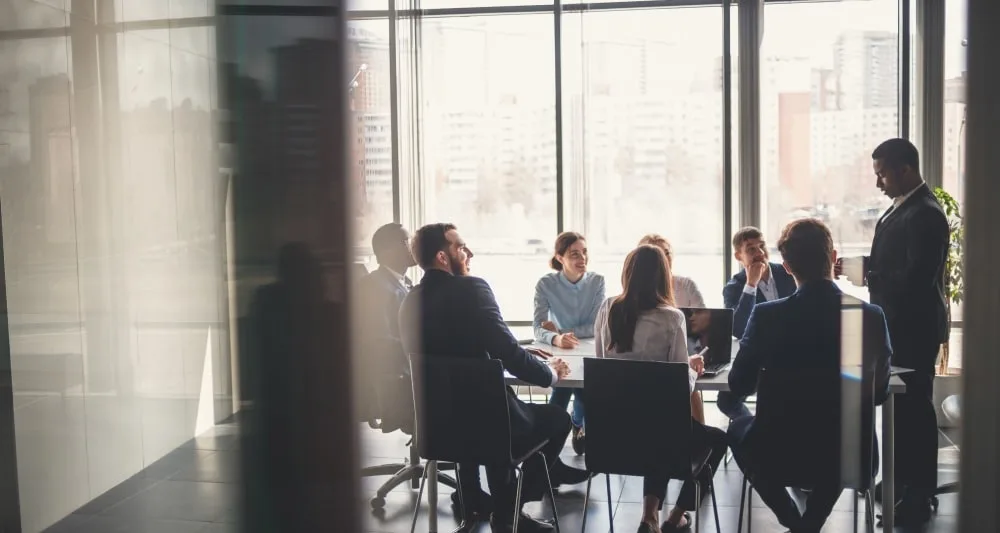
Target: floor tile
{"points": [[179, 500]]}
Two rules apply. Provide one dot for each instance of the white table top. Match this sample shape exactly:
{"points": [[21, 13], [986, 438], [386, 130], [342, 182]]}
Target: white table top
{"points": [[574, 358]]}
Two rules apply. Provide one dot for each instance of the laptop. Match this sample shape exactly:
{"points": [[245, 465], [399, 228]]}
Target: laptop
{"points": [[712, 329]]}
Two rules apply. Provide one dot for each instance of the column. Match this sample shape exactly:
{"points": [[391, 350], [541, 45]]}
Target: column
{"points": [[981, 365]]}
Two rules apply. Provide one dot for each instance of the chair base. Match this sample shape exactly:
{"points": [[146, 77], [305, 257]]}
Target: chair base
{"points": [[403, 473]]}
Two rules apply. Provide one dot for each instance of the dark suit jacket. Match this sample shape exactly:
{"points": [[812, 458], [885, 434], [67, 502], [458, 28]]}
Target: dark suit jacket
{"points": [[458, 316], [803, 332], [742, 304], [386, 392], [905, 277]]}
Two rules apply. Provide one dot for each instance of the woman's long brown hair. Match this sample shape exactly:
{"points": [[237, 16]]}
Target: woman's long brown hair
{"points": [[648, 285]]}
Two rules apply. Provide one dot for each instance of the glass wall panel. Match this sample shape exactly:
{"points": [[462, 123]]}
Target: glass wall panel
{"points": [[828, 98], [642, 138], [369, 129], [487, 110]]}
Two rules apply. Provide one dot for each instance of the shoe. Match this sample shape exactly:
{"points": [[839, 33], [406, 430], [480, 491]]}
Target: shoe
{"points": [[645, 528], [579, 440], [525, 524], [667, 527], [913, 512], [478, 507], [561, 474]]}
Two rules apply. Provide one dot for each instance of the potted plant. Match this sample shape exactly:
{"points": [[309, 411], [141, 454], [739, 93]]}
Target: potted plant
{"points": [[953, 272], [950, 383]]}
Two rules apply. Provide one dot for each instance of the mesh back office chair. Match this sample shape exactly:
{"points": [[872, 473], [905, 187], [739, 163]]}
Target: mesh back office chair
{"points": [[639, 423], [462, 417], [799, 399]]}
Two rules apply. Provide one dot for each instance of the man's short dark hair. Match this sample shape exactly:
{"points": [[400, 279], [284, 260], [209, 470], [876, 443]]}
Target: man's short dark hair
{"points": [[386, 237], [744, 235], [428, 241], [806, 245], [897, 153]]}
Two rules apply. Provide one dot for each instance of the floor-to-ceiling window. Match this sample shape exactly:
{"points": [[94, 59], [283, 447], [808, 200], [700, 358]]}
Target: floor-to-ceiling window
{"points": [[828, 97], [642, 136]]}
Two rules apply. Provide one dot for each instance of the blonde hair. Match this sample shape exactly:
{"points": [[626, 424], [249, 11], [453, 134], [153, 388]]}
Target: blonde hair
{"points": [[661, 242]]}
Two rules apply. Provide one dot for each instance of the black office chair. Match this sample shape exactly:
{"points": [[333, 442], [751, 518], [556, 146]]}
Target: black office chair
{"points": [[798, 399], [639, 423], [395, 399], [462, 417]]}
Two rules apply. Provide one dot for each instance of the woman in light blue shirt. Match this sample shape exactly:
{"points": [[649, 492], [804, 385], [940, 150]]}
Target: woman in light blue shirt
{"points": [[566, 304]]}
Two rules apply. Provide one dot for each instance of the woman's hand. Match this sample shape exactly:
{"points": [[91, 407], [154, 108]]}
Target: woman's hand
{"points": [[566, 340], [550, 326], [697, 363]]}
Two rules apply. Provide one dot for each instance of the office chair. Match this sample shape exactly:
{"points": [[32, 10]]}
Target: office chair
{"points": [[395, 399], [639, 423], [794, 406], [952, 409], [462, 418]]}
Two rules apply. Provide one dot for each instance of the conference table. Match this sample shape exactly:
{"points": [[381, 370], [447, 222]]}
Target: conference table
{"points": [[720, 382]]}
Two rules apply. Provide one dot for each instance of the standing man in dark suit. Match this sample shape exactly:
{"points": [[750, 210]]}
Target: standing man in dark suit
{"points": [[798, 333], [905, 276], [759, 281], [452, 314]]}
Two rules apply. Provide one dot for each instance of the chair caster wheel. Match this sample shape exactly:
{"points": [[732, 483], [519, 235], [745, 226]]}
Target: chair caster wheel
{"points": [[377, 503]]}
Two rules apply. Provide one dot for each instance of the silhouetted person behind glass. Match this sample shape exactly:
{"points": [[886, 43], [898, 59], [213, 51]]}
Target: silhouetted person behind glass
{"points": [[294, 329]]}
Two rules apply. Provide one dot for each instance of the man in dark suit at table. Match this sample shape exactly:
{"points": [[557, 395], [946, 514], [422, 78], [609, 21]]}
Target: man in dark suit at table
{"points": [[759, 281], [905, 276], [380, 295], [802, 332], [452, 314]]}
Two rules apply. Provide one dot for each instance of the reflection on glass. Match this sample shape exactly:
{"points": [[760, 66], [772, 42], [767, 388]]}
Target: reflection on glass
{"points": [[828, 98], [642, 108], [370, 134]]}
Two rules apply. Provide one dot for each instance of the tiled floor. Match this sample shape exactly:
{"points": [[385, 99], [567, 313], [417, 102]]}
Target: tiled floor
{"points": [[193, 490]]}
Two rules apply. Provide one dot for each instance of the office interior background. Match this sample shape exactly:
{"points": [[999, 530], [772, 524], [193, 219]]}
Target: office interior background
{"points": [[155, 156]]}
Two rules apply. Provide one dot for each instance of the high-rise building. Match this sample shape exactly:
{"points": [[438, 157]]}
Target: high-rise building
{"points": [[867, 67]]}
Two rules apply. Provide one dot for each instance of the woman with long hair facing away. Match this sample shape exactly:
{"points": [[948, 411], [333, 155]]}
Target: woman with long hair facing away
{"points": [[566, 303], [687, 295], [643, 323]]}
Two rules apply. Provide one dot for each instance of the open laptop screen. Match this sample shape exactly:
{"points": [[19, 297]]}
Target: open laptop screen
{"points": [[711, 328]]}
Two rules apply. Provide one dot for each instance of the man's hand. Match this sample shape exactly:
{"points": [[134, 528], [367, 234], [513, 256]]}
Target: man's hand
{"points": [[550, 325], [559, 367], [566, 340], [755, 272], [838, 267], [538, 352], [697, 363]]}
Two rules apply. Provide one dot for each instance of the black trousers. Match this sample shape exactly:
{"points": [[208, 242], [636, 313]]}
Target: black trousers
{"points": [[819, 503], [550, 422], [916, 436], [705, 438]]}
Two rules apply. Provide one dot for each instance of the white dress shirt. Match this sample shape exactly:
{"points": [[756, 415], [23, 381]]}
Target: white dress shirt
{"points": [[898, 201], [686, 293], [767, 287]]}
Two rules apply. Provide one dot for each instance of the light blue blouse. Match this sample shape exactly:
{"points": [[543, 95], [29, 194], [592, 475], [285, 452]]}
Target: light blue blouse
{"points": [[572, 306]]}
